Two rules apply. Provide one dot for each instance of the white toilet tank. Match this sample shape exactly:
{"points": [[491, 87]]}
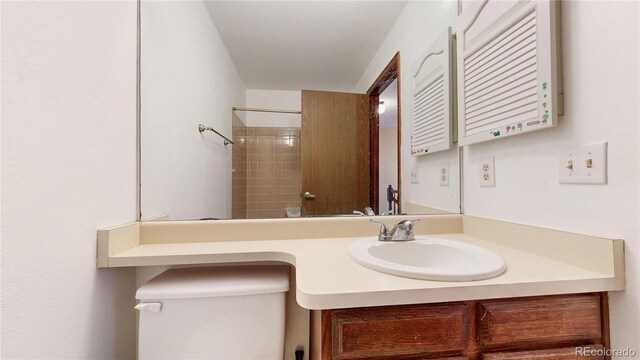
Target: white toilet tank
{"points": [[235, 312]]}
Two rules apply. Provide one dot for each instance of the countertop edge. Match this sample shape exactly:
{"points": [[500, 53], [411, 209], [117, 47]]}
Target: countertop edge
{"points": [[454, 294]]}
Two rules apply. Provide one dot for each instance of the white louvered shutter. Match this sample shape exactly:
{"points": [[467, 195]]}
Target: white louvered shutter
{"points": [[433, 126], [508, 66]]}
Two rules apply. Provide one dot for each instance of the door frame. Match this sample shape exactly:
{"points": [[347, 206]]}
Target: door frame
{"points": [[391, 72]]}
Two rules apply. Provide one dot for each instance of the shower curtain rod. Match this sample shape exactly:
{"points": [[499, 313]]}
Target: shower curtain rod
{"points": [[267, 110], [202, 128]]}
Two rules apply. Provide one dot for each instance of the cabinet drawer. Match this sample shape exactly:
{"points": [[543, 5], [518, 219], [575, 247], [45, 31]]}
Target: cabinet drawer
{"points": [[568, 353], [421, 331], [538, 320]]}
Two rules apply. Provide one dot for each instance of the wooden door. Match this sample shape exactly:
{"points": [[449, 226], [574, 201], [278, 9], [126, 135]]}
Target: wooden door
{"points": [[334, 152]]}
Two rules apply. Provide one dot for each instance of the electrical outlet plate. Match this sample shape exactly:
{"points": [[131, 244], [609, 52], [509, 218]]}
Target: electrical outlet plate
{"points": [[444, 174], [487, 173], [586, 164], [414, 176]]}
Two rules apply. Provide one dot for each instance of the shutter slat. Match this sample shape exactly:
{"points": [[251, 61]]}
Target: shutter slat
{"points": [[508, 75], [431, 129], [428, 124]]}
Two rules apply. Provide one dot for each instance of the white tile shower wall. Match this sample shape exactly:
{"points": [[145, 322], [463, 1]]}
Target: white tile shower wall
{"points": [[411, 35], [187, 78], [273, 99], [601, 61], [68, 168]]}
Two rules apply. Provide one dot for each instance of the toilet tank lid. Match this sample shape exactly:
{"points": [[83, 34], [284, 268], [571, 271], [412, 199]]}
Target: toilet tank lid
{"points": [[210, 282]]}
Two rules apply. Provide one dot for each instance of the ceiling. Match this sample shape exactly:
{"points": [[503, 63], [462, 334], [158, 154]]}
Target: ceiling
{"points": [[293, 45]]}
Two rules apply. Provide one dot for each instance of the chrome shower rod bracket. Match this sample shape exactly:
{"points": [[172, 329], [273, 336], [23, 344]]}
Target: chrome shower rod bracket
{"points": [[202, 128]]}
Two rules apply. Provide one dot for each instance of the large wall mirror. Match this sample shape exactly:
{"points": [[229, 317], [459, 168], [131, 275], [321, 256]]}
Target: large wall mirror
{"points": [[270, 109]]}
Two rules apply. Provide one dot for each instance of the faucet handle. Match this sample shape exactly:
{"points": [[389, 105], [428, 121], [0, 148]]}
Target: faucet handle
{"points": [[384, 231], [407, 225], [408, 222]]}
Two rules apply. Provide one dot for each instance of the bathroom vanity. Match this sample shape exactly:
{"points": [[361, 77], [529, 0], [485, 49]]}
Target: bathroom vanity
{"points": [[543, 327], [551, 298]]}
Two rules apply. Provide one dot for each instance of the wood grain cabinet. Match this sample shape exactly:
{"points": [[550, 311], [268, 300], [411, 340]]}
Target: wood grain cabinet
{"points": [[546, 327], [567, 353]]}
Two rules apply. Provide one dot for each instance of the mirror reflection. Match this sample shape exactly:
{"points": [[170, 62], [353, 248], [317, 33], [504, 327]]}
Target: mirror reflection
{"points": [[268, 109]]}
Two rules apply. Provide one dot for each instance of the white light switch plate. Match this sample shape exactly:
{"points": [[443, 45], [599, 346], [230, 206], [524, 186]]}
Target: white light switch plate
{"points": [[574, 167], [414, 176], [487, 173], [444, 174]]}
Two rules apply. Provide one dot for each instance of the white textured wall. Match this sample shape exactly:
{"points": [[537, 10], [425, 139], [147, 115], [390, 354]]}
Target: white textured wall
{"points": [[420, 23], [273, 99], [188, 78], [68, 168], [601, 61], [388, 163]]}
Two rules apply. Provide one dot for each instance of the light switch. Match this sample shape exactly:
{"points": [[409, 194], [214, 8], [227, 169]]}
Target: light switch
{"points": [[487, 173], [414, 176], [444, 174], [586, 164]]}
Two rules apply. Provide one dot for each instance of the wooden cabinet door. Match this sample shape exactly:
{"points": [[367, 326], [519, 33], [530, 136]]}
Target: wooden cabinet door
{"points": [[568, 353], [334, 152], [541, 320], [399, 332]]}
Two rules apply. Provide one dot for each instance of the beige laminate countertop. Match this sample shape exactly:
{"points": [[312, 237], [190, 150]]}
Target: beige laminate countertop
{"points": [[326, 278]]}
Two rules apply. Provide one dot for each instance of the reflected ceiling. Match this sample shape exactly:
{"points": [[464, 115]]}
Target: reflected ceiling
{"points": [[293, 45]]}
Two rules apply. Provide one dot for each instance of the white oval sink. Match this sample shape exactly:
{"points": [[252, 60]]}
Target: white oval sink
{"points": [[428, 258]]}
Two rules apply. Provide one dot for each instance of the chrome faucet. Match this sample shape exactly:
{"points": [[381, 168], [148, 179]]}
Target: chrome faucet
{"points": [[403, 231], [367, 211]]}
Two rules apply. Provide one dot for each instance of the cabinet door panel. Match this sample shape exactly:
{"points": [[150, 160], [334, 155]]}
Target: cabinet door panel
{"points": [[503, 323], [398, 332], [568, 353]]}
